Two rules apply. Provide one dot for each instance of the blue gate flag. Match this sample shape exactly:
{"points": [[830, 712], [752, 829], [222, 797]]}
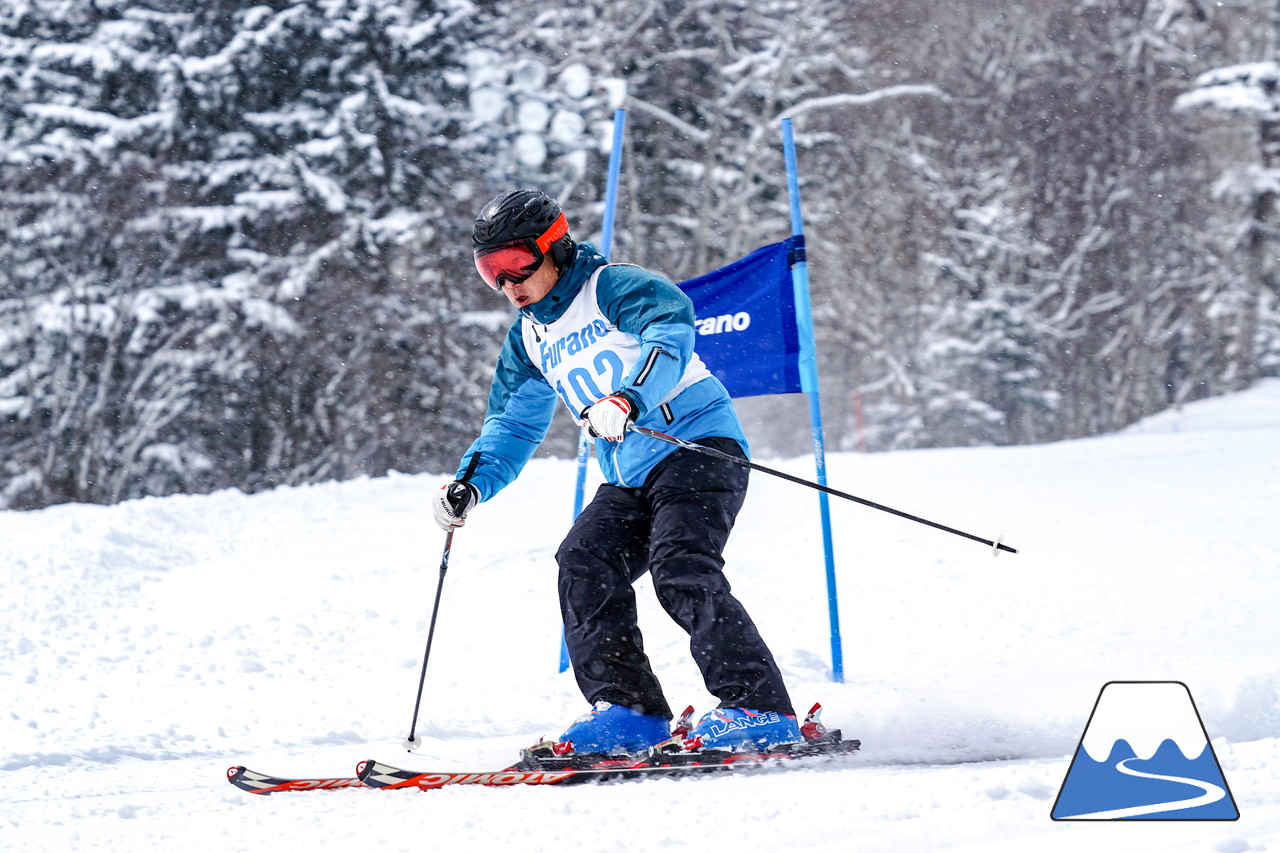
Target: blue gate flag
{"points": [[746, 322]]}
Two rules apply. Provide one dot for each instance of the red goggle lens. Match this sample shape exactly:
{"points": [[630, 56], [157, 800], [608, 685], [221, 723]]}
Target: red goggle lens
{"points": [[509, 264]]}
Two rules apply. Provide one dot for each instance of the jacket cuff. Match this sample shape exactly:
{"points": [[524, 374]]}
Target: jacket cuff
{"points": [[637, 410]]}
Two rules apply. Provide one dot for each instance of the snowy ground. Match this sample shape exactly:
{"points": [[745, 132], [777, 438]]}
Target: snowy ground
{"points": [[147, 647]]}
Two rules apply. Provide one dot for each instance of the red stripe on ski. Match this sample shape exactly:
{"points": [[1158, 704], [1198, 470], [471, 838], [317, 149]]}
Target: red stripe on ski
{"points": [[260, 783], [385, 777]]}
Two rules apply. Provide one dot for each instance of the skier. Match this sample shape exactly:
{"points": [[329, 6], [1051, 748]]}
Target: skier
{"points": [[614, 343]]}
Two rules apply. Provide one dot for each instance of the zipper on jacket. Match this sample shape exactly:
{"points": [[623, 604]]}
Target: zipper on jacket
{"points": [[534, 324], [649, 364]]}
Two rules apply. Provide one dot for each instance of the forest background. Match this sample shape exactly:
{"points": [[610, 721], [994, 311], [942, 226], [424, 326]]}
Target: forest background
{"points": [[234, 237]]}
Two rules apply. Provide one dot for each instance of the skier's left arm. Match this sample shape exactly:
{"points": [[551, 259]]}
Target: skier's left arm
{"points": [[521, 404], [660, 315]]}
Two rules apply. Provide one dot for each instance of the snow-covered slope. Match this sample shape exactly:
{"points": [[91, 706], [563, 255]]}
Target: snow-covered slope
{"points": [[148, 646]]}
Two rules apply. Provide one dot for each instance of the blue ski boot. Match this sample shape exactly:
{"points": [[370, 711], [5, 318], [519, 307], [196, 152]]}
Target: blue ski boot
{"points": [[742, 729], [608, 729]]}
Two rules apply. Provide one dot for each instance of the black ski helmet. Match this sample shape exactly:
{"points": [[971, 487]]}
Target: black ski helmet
{"points": [[517, 215]]}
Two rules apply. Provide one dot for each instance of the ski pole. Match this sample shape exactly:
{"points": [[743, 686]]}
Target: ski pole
{"points": [[411, 743], [996, 546]]}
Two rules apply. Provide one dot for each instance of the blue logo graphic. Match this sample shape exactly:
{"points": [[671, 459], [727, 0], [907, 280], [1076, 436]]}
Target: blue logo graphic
{"points": [[1145, 755]]}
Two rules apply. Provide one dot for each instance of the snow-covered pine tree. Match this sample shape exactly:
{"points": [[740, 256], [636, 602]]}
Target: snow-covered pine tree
{"points": [[1251, 91], [237, 244]]}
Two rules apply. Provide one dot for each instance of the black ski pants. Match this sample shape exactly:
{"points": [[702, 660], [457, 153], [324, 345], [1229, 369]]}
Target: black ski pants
{"points": [[675, 527]]}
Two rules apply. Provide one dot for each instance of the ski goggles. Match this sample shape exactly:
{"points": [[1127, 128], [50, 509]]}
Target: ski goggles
{"points": [[513, 262]]}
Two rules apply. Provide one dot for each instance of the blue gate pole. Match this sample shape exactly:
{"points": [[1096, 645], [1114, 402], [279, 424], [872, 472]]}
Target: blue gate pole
{"points": [[809, 385], [611, 188], [606, 244]]}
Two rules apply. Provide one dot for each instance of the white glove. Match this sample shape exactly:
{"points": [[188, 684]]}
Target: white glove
{"points": [[452, 504], [608, 418]]}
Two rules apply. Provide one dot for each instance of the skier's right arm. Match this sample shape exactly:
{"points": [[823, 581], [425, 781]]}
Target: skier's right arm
{"points": [[521, 405]]}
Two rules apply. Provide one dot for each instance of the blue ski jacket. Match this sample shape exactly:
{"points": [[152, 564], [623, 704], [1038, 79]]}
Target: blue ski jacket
{"points": [[602, 328]]}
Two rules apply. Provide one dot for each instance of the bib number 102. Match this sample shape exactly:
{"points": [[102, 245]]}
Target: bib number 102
{"points": [[584, 385]]}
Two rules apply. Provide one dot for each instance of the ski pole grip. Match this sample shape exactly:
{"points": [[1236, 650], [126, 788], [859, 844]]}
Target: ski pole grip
{"points": [[471, 466]]}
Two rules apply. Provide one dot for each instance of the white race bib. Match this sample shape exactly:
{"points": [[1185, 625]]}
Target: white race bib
{"points": [[585, 357]]}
